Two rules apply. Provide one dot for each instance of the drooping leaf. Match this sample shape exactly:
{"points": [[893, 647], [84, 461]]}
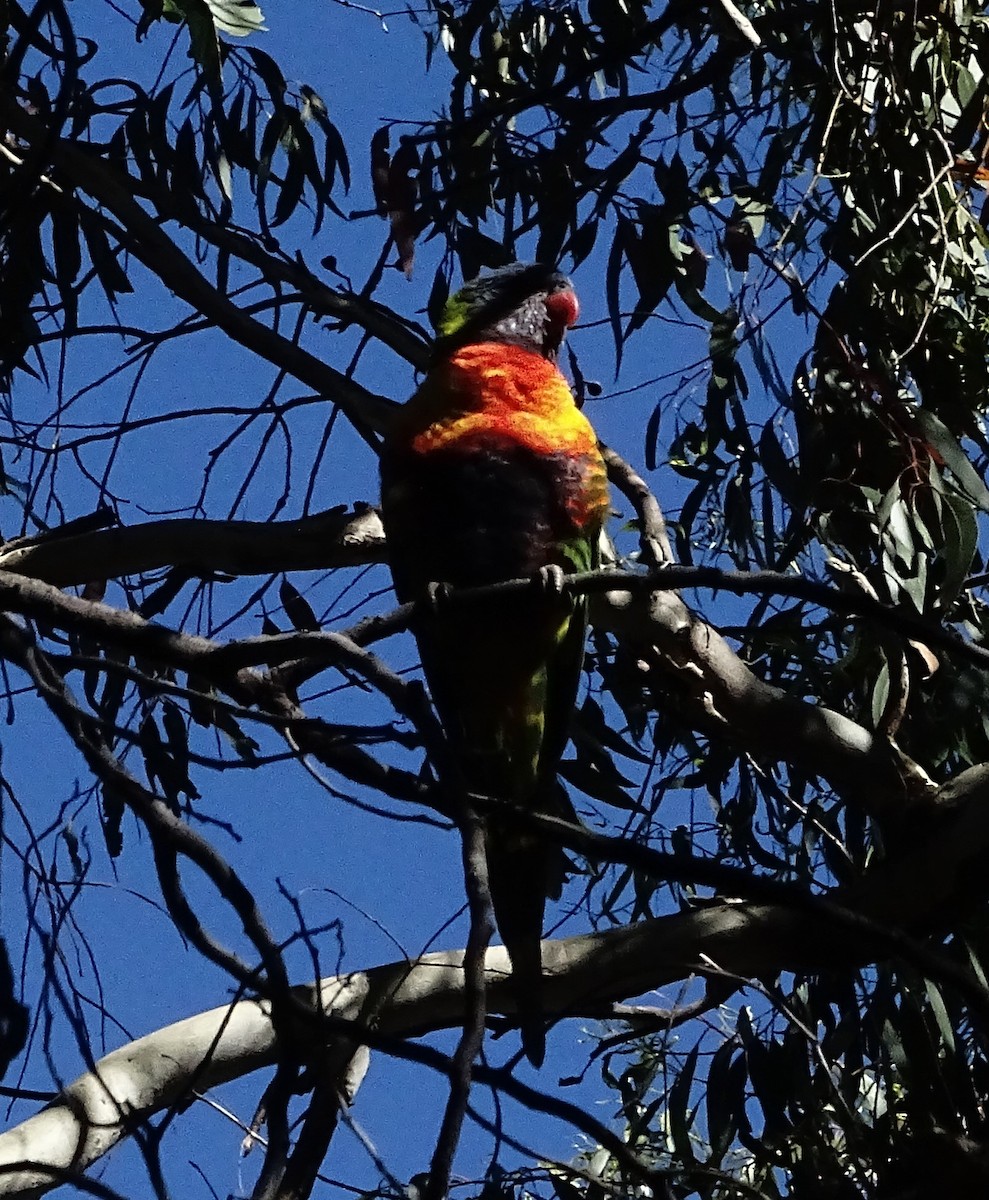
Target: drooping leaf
{"points": [[955, 458], [380, 167], [297, 608], [104, 259], [238, 18], [402, 189]]}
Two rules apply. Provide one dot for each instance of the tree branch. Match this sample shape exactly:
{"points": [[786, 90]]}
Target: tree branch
{"points": [[475, 1004], [336, 538], [348, 307], [406, 1000], [143, 236], [679, 653]]}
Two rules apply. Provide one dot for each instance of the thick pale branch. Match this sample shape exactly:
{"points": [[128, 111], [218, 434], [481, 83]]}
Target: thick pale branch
{"points": [[331, 539], [155, 1072], [691, 664], [580, 975]]}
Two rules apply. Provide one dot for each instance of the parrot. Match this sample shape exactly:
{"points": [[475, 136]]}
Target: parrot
{"points": [[491, 472]]}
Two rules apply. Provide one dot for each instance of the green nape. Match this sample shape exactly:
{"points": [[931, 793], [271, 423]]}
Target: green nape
{"points": [[454, 316]]}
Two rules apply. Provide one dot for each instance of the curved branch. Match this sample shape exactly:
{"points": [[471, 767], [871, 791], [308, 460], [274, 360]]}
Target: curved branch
{"points": [[683, 657], [154, 1072], [405, 999], [715, 689], [679, 653], [339, 539], [143, 236], [653, 537], [348, 307]]}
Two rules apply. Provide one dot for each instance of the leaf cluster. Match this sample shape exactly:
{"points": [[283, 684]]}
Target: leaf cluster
{"points": [[806, 213]]}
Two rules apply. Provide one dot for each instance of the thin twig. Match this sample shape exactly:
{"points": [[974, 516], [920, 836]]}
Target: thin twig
{"points": [[741, 22], [653, 538], [475, 1004]]}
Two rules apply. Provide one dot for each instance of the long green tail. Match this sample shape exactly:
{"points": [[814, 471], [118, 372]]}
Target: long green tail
{"points": [[518, 874]]}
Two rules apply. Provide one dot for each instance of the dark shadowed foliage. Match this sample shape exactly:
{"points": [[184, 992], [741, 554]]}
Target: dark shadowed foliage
{"points": [[775, 216]]}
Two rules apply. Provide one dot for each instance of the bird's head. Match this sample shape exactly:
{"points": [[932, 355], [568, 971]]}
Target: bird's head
{"points": [[522, 304]]}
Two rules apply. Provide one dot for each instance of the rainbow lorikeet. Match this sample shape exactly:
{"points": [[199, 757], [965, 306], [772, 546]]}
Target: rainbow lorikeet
{"points": [[491, 472]]}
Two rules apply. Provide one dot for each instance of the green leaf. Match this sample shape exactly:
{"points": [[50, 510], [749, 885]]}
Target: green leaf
{"points": [[613, 272], [239, 18], [604, 785], [592, 724], [678, 1117], [270, 73], [880, 695], [955, 458], [778, 466], [110, 273], [153, 11], [941, 1017], [725, 1098], [290, 191], [961, 538], [965, 85], [112, 811], [204, 47], [68, 259], [297, 608]]}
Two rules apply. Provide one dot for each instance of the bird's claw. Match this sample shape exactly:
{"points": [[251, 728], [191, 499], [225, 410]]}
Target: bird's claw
{"points": [[437, 596], [550, 579]]}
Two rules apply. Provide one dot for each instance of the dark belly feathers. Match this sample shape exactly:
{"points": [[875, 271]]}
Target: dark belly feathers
{"points": [[471, 517]]}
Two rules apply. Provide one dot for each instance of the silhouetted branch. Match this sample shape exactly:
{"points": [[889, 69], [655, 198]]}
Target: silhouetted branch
{"points": [[171, 837], [716, 688], [144, 237], [475, 1003], [653, 538], [745, 938]]}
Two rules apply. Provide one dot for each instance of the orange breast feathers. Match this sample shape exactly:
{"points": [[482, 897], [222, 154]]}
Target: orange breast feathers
{"points": [[491, 390]]}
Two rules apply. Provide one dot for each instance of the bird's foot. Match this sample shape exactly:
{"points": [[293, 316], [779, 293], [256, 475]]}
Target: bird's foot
{"points": [[550, 579], [437, 597]]}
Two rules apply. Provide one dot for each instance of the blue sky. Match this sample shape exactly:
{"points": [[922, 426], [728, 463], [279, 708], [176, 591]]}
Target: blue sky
{"points": [[400, 882]]}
